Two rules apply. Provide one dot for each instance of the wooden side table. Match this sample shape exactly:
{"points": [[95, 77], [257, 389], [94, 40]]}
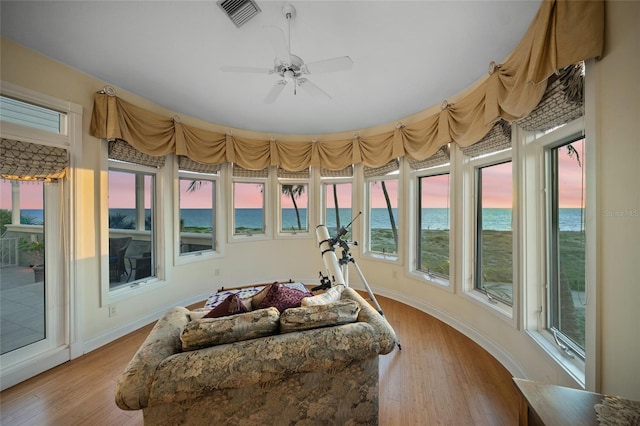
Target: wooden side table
{"points": [[551, 405]]}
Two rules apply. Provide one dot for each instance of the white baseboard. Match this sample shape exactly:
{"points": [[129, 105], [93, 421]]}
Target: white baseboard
{"points": [[124, 329]]}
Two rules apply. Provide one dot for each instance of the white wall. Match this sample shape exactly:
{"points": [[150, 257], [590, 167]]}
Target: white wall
{"points": [[618, 251], [618, 171]]}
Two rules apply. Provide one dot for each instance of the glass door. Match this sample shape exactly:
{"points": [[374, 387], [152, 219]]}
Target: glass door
{"points": [[22, 267]]}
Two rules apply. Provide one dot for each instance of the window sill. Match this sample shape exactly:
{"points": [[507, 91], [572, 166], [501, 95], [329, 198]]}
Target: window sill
{"points": [[575, 367], [500, 309], [243, 238], [432, 280], [132, 289], [293, 235], [197, 256], [383, 257]]}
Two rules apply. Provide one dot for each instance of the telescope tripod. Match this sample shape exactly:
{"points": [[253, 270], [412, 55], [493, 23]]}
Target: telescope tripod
{"points": [[345, 259], [339, 269]]}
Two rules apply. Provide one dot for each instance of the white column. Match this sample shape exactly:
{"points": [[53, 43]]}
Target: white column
{"points": [[15, 202]]}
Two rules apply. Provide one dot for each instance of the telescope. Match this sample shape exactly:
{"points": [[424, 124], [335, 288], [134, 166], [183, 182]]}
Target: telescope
{"points": [[328, 253], [338, 269]]}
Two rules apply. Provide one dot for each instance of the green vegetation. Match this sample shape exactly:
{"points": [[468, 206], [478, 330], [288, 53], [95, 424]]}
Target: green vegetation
{"points": [[120, 221], [197, 229], [5, 219]]}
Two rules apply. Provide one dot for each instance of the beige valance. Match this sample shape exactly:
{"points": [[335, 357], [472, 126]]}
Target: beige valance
{"points": [[563, 33], [21, 160]]}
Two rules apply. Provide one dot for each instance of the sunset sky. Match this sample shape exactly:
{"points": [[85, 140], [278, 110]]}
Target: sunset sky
{"points": [[249, 195]]}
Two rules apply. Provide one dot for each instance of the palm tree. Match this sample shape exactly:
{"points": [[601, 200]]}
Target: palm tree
{"points": [[294, 191], [335, 203], [394, 229], [194, 185]]}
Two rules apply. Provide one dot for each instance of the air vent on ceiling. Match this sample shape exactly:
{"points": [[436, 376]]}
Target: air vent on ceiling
{"points": [[239, 11]]}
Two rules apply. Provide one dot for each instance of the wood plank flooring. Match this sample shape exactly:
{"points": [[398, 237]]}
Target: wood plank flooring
{"points": [[440, 377]]}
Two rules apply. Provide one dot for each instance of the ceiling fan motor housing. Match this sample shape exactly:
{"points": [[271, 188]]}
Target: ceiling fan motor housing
{"points": [[296, 67]]}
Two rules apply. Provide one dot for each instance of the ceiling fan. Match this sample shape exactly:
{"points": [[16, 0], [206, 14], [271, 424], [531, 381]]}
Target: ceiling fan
{"points": [[292, 68]]}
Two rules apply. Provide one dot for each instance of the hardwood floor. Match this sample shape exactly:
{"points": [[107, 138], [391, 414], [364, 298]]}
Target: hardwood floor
{"points": [[440, 377]]}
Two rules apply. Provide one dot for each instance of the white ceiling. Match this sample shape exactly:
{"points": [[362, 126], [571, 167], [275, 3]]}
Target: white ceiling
{"points": [[408, 55]]}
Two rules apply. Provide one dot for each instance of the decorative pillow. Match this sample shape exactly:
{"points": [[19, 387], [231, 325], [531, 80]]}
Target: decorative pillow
{"points": [[331, 295], [315, 316], [280, 297], [218, 331], [229, 306], [256, 299]]}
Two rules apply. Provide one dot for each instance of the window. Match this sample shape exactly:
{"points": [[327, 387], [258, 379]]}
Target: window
{"points": [[248, 208], [382, 209], [293, 208], [566, 245], [294, 201], [433, 218], [197, 202], [494, 237], [132, 230], [41, 137], [34, 116], [337, 198]]}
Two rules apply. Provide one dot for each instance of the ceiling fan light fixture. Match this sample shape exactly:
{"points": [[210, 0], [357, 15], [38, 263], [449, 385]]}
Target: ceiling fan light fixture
{"points": [[239, 11]]}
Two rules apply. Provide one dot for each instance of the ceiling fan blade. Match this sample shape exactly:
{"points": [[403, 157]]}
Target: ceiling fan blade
{"points": [[279, 43], [340, 63], [311, 88], [252, 70], [275, 91]]}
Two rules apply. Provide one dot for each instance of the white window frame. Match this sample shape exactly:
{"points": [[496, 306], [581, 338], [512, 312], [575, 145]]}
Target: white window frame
{"points": [[414, 206], [267, 207], [219, 247], [366, 223], [134, 288], [534, 245], [469, 229], [324, 182], [63, 339], [280, 234]]}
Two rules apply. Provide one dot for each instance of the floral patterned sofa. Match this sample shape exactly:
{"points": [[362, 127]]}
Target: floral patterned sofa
{"points": [[293, 374]]}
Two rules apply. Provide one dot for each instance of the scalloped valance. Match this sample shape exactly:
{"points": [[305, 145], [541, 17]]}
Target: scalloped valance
{"points": [[562, 33]]}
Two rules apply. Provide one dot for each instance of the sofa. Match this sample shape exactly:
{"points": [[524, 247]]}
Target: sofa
{"points": [[304, 372]]}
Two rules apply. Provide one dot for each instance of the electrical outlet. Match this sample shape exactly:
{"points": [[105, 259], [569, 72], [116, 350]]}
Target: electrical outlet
{"points": [[112, 310], [216, 272], [394, 274]]}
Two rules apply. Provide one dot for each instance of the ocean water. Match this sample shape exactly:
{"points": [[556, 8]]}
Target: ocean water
{"points": [[435, 219]]}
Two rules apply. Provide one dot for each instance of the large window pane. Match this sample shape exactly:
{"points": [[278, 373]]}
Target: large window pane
{"points": [[567, 244], [248, 208], [494, 240], [22, 272], [294, 205], [433, 225], [197, 215], [337, 213], [131, 226], [383, 216]]}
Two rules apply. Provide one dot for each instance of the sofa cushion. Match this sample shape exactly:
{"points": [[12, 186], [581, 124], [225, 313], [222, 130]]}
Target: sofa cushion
{"points": [[229, 306], [280, 297], [315, 316], [331, 295], [218, 331]]}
